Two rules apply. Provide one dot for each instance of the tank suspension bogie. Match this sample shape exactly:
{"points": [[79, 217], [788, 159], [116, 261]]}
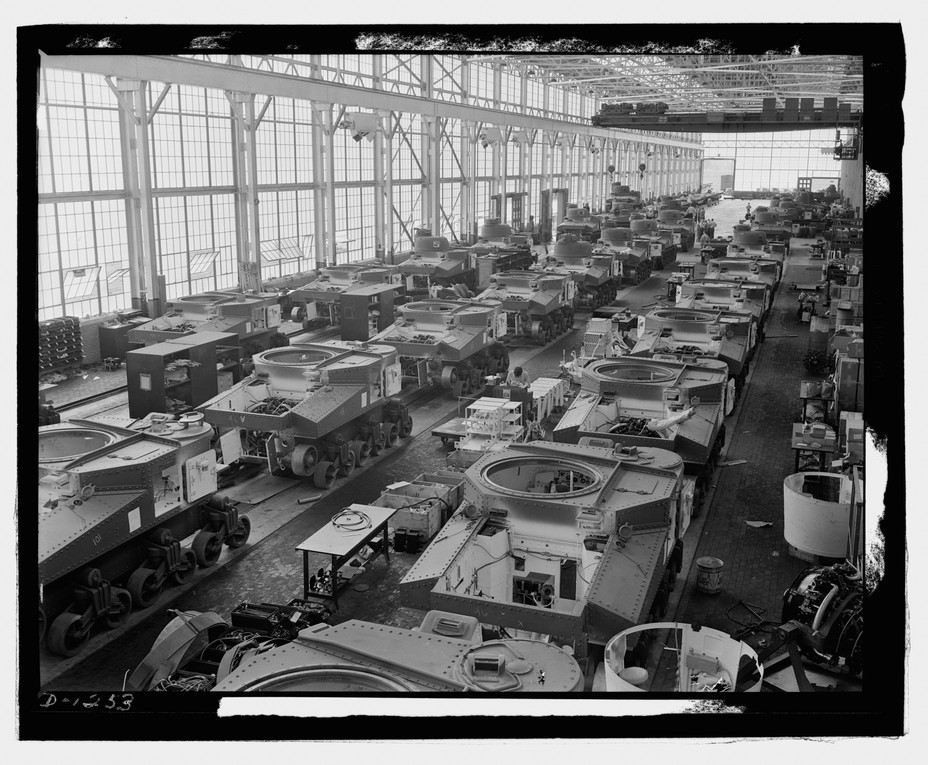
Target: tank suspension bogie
{"points": [[94, 600]]}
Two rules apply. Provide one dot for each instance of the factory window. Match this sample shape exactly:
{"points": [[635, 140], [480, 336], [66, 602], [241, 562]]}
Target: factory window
{"points": [[201, 263], [80, 283]]}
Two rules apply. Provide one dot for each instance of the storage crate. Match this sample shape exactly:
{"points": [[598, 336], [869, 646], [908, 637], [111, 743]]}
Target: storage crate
{"points": [[425, 520]]}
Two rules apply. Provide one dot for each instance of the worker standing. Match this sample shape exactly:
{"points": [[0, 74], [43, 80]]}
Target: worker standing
{"points": [[748, 213], [690, 212], [711, 227], [518, 377], [704, 239]]}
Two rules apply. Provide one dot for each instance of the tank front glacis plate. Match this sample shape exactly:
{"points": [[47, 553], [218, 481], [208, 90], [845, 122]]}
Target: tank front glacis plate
{"points": [[613, 606]]}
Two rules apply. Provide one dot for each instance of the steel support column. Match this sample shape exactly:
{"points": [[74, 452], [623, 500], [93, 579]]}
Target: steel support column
{"points": [[318, 137], [128, 146]]}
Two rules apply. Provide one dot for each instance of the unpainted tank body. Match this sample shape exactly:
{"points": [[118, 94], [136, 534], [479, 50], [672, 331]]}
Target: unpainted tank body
{"points": [[253, 318], [433, 262], [456, 343], [758, 270], [538, 305], [445, 654], [772, 226], [717, 334], [596, 274], [581, 224], [660, 246], [727, 295], [113, 502], [314, 410], [319, 302], [682, 229], [634, 261], [635, 401], [753, 243], [499, 249], [575, 541]]}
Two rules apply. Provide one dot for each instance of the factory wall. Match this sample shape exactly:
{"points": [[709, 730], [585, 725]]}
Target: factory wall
{"points": [[852, 181], [84, 233]]}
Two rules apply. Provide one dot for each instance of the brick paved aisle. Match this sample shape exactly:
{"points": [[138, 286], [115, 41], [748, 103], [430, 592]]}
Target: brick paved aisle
{"points": [[758, 567]]}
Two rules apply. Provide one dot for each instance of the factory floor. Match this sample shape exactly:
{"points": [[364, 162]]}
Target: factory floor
{"points": [[757, 564]]}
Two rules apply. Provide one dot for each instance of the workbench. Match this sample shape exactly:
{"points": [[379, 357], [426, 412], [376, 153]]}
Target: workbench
{"points": [[451, 430], [821, 447], [342, 544]]}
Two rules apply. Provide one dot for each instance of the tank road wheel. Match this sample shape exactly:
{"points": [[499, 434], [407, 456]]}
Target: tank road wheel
{"points": [[449, 376], [303, 460], [206, 546], [324, 475], [405, 428], [348, 464], [143, 586], [537, 332], [361, 451], [240, 533], [65, 636], [392, 432], [186, 568], [378, 443], [120, 608], [89, 577]]}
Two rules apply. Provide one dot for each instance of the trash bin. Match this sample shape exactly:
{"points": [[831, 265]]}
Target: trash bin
{"points": [[709, 575]]}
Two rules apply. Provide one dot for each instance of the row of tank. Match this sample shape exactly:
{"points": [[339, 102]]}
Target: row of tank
{"points": [[548, 575], [115, 496], [578, 539]]}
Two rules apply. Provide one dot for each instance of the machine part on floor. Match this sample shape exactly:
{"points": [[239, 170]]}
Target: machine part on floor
{"points": [[570, 541], [453, 343], [113, 503], [596, 274], [308, 408], [538, 306], [634, 402], [675, 657], [826, 602], [722, 335], [253, 318]]}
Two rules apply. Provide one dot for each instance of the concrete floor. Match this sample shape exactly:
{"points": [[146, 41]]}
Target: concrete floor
{"points": [[757, 564]]}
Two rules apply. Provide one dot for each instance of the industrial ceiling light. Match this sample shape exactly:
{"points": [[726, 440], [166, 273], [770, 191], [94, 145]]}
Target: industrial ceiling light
{"points": [[490, 136], [361, 125]]}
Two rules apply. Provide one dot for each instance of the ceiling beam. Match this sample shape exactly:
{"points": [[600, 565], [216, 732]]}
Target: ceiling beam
{"points": [[189, 71]]}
